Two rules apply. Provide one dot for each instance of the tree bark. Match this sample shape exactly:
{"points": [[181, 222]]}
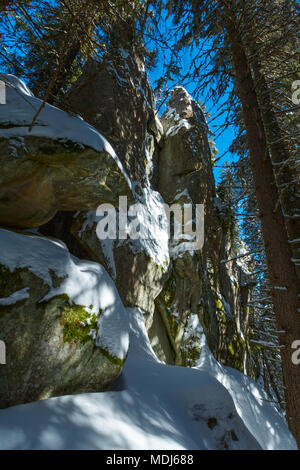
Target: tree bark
{"points": [[286, 174]]}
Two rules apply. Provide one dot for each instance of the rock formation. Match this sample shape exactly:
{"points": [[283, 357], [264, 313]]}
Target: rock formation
{"points": [[62, 316], [43, 167]]}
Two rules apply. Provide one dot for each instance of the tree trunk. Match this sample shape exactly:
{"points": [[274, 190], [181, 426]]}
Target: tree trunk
{"points": [[286, 174], [278, 252]]}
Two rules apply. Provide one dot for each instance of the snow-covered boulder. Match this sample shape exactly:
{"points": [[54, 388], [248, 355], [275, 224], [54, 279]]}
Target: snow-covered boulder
{"points": [[59, 163], [61, 318]]}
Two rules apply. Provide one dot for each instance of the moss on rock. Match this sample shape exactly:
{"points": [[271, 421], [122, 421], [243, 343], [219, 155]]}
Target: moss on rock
{"points": [[78, 324]]}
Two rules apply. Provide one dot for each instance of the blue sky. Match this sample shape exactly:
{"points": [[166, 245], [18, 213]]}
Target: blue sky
{"points": [[225, 138]]}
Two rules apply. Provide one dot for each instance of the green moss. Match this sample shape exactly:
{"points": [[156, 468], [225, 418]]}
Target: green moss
{"points": [[173, 322], [114, 359], [78, 324], [169, 292], [168, 298], [231, 349]]}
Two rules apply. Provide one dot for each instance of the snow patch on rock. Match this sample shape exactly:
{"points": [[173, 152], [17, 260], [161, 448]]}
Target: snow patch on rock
{"points": [[21, 106], [15, 297]]}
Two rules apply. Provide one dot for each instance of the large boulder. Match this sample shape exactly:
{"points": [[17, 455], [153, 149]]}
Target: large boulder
{"points": [[185, 159], [60, 163], [62, 321], [115, 96]]}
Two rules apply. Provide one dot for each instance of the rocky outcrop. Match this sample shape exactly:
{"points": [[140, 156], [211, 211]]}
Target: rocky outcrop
{"points": [[62, 321], [200, 282], [61, 318], [185, 159], [61, 163], [115, 96], [124, 112]]}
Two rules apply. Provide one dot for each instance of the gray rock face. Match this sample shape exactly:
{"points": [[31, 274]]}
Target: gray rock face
{"points": [[199, 283], [138, 267], [184, 161], [56, 322], [115, 96]]}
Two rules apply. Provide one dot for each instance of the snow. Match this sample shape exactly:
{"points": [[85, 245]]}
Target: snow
{"points": [[20, 108], [182, 194], [262, 418], [147, 216], [159, 124], [2, 93], [296, 240], [151, 217], [15, 297], [86, 283], [108, 252], [152, 406], [182, 124], [172, 115]]}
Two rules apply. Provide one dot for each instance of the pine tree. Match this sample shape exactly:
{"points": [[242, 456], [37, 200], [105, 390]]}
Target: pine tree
{"points": [[48, 42], [231, 29]]}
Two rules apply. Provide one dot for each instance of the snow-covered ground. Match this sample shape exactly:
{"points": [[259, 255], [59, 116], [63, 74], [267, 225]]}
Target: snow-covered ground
{"points": [[153, 406]]}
